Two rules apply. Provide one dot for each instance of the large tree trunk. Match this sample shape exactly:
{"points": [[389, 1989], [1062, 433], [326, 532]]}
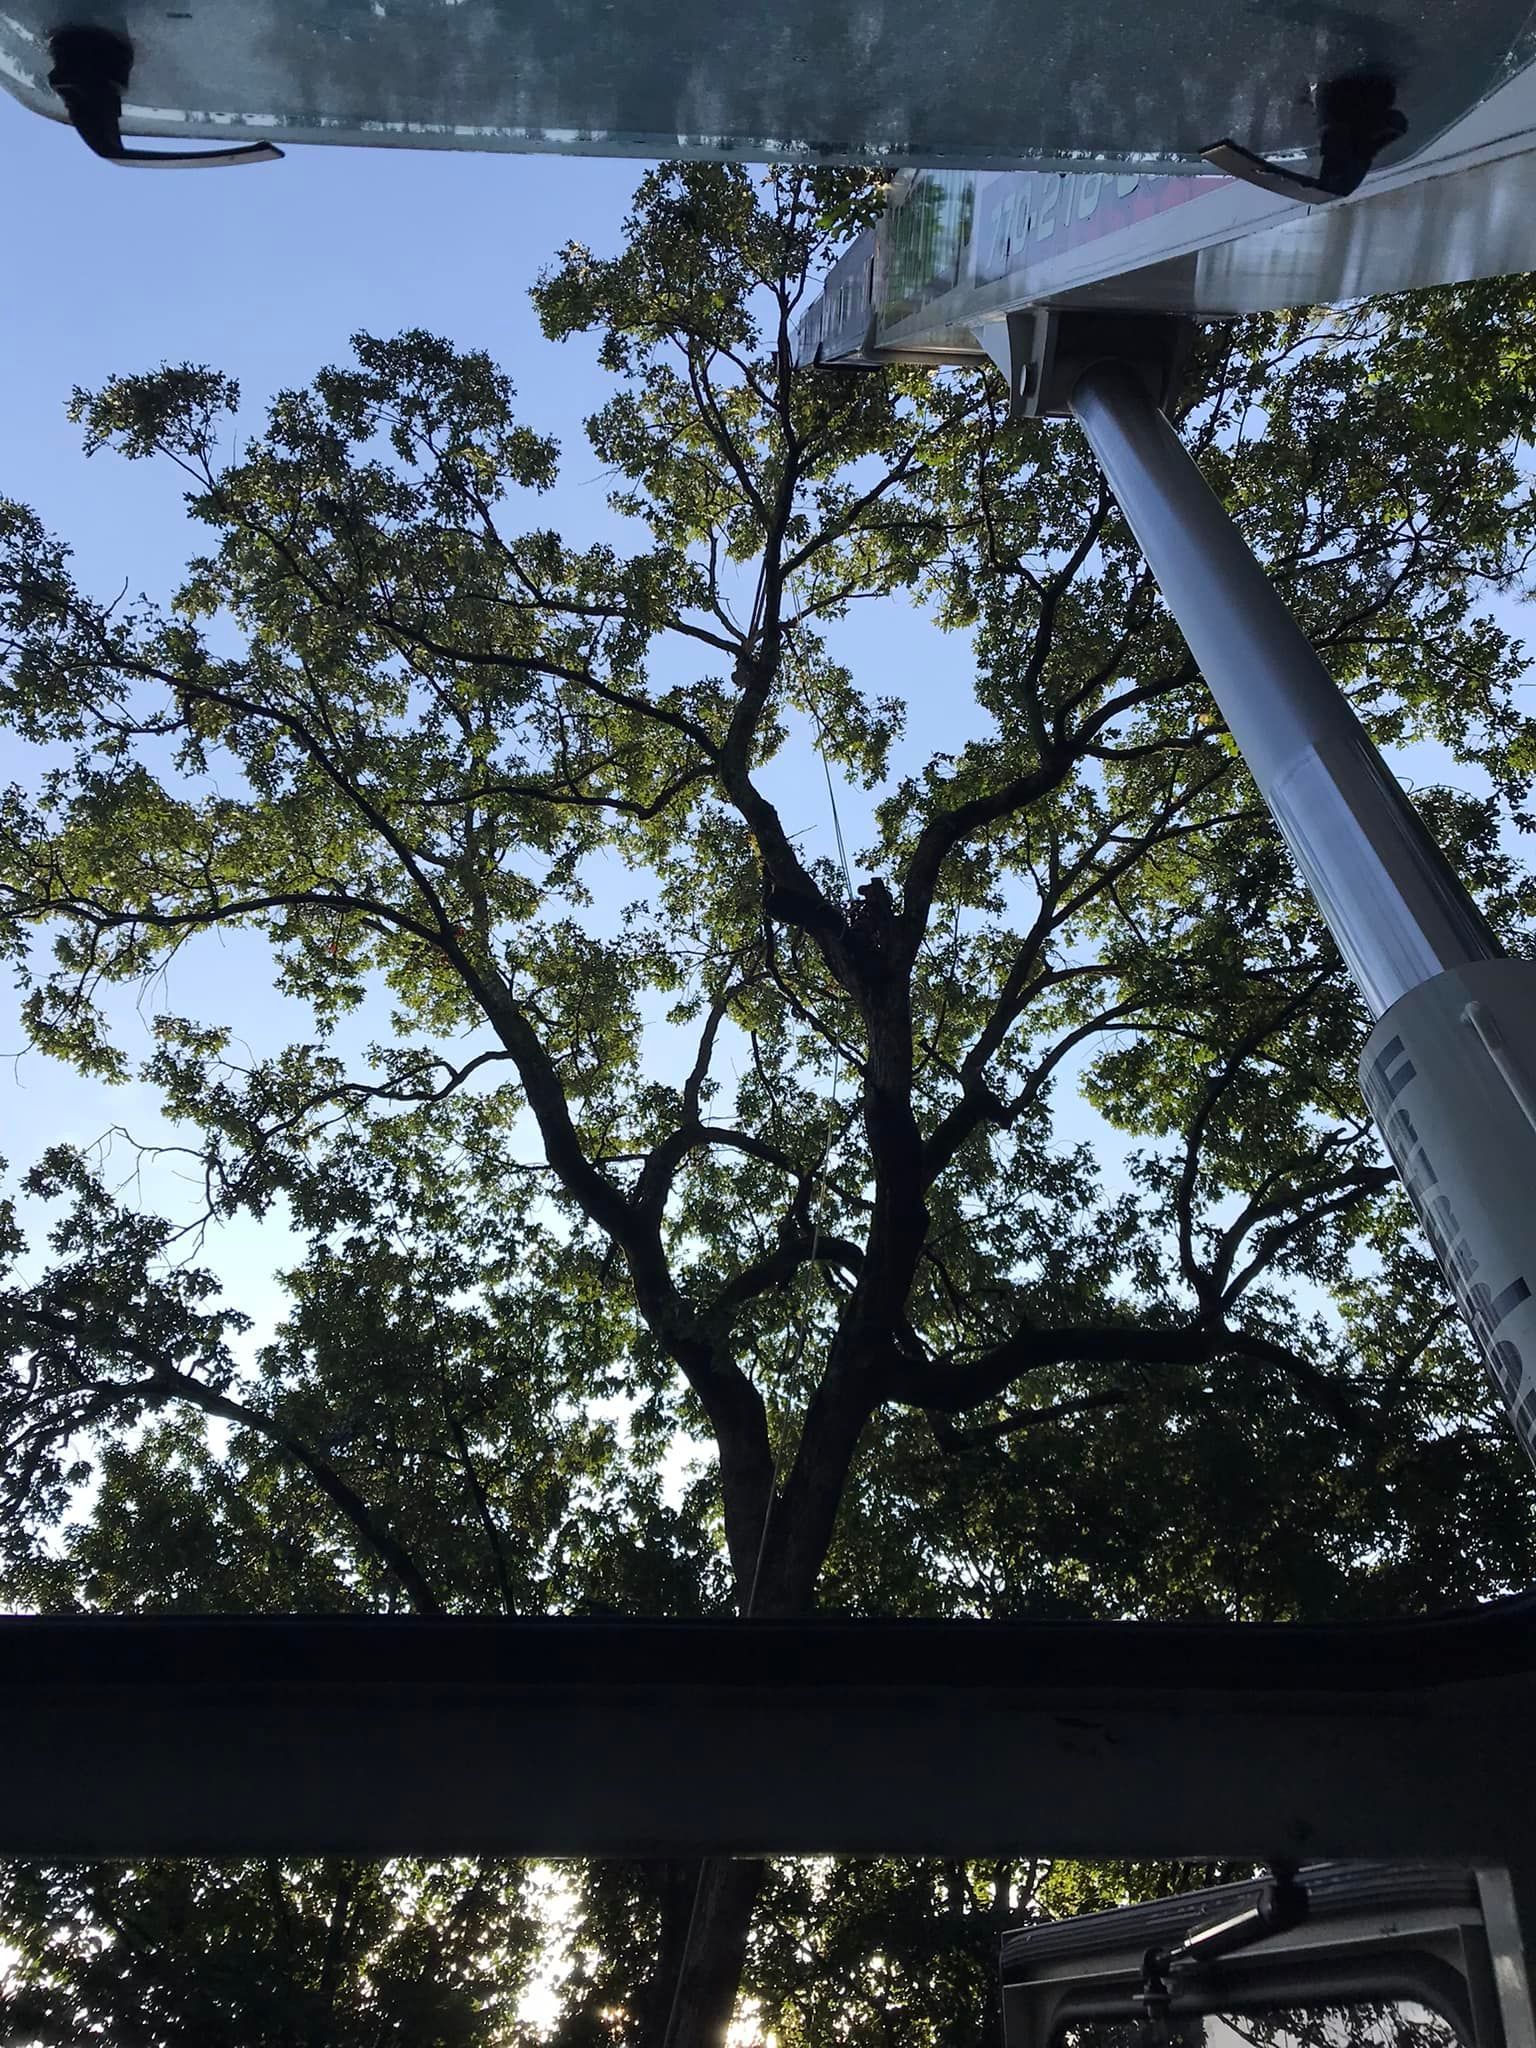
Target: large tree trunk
{"points": [[715, 1953], [778, 1579], [789, 1555]]}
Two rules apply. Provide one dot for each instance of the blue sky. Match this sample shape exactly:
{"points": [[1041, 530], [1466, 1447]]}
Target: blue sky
{"points": [[264, 273]]}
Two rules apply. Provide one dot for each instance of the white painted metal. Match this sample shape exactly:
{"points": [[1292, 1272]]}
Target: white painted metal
{"points": [[1463, 208], [1508, 1900], [1448, 1076]]}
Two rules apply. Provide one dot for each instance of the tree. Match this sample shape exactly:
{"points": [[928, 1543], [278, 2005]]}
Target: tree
{"points": [[945, 1358], [331, 1955]]}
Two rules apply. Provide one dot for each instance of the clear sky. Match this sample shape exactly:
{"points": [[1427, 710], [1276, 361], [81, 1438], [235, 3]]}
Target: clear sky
{"points": [[263, 273]]}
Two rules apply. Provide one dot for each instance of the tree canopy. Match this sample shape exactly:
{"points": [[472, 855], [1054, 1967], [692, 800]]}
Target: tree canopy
{"points": [[997, 1213]]}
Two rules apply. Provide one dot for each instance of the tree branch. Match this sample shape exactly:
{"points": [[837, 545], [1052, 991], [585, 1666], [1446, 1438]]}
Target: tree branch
{"points": [[22, 1321]]}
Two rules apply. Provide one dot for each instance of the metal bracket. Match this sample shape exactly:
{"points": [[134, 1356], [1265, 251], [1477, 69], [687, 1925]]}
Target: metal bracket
{"points": [[91, 69], [1356, 121], [1044, 351]]}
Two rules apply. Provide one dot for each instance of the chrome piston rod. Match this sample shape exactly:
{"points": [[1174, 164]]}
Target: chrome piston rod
{"points": [[1391, 900], [1449, 1071]]}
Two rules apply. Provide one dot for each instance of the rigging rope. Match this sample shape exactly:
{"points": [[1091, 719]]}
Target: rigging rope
{"points": [[802, 1337], [826, 769]]}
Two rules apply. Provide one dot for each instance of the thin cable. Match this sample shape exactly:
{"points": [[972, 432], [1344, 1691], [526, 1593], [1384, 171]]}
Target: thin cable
{"points": [[826, 768], [802, 1338], [682, 1966], [669, 2036], [837, 823]]}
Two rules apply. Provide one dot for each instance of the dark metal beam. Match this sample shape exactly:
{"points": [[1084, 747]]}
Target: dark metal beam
{"points": [[671, 1738]]}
